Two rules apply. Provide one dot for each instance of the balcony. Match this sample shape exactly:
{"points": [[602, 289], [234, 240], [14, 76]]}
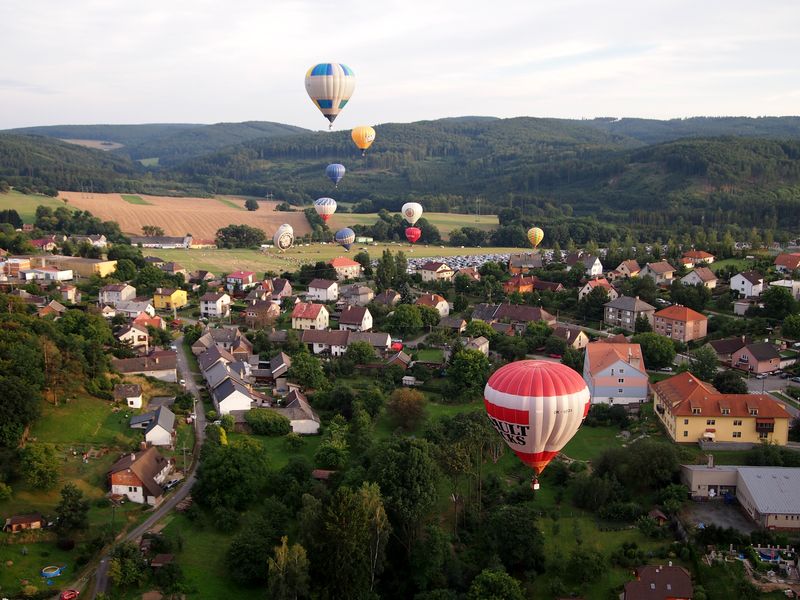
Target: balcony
{"points": [[765, 425]]}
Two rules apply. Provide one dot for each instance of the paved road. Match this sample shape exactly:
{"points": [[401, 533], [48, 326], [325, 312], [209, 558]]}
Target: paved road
{"points": [[101, 576]]}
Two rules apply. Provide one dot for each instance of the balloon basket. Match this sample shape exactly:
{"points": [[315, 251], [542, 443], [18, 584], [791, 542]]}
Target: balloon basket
{"points": [[534, 483]]}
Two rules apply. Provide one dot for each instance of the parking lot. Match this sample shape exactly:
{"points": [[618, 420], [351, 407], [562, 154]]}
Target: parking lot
{"points": [[720, 514]]}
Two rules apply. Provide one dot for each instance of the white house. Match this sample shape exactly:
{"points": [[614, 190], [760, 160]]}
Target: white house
{"points": [[215, 305], [748, 284], [231, 395], [788, 284], [134, 336], [346, 268], [598, 282], [310, 316], [115, 293], [355, 318], [129, 393], [324, 342], [158, 425], [661, 272], [590, 264], [240, 280], [700, 276], [434, 301], [323, 290], [139, 476], [435, 271], [302, 417]]}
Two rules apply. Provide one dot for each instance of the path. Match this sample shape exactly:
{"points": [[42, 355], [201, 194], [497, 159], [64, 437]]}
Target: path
{"points": [[185, 373]]}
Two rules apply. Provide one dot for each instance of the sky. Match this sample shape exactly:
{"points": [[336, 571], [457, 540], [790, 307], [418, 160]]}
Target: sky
{"points": [[208, 61]]}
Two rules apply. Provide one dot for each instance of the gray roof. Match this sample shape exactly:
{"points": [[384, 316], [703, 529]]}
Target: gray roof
{"points": [[376, 338], [774, 489], [145, 464], [279, 364], [161, 416], [297, 408], [228, 387], [212, 355], [763, 351], [127, 390], [166, 361], [353, 315], [484, 312], [628, 303], [323, 284]]}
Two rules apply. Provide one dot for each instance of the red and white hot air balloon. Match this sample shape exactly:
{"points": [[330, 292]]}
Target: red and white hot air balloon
{"points": [[537, 406]]}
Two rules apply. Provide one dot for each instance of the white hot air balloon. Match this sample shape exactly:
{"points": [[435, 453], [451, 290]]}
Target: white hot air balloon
{"points": [[284, 237], [412, 211], [325, 208]]}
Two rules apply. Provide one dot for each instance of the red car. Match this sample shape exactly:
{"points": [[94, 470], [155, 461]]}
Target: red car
{"points": [[69, 595], [554, 355]]}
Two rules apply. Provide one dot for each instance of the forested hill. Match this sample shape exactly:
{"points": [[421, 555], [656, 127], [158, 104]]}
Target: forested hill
{"points": [[127, 135]]}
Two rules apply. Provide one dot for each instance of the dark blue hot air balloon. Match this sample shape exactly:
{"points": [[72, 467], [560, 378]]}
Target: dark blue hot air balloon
{"points": [[345, 237], [335, 172]]}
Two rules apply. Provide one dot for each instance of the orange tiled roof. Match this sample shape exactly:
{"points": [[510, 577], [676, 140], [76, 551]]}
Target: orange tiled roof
{"points": [[676, 312], [602, 355], [343, 261], [432, 300], [305, 310]]}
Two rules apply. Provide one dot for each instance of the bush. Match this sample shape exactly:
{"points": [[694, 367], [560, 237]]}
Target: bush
{"points": [[294, 441], [264, 421], [65, 544], [5, 492]]}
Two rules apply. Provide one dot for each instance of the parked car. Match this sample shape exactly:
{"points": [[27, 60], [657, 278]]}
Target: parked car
{"points": [[796, 379], [666, 369], [183, 382], [784, 375], [171, 484], [761, 376]]}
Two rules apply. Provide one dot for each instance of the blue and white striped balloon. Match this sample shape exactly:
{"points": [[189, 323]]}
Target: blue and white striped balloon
{"points": [[335, 172], [345, 237]]}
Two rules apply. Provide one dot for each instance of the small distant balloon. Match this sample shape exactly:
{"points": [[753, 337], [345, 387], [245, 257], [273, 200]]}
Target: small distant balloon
{"points": [[330, 85], [535, 236], [284, 237], [413, 234], [363, 136], [335, 172], [345, 237], [412, 211], [325, 208]]}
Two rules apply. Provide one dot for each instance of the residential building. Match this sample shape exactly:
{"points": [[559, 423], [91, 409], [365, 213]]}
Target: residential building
{"points": [[680, 323], [225, 338], [628, 268], [69, 293], [82, 267], [355, 318], [547, 286], [659, 583], [161, 365], [387, 298], [240, 281], [589, 264], [692, 410], [215, 305], [19, 523], [144, 319], [518, 316], [786, 263], [173, 268], [601, 282], [155, 261], [624, 311], [615, 373], [480, 343], [325, 341], [52, 309], [158, 425], [748, 284], [169, 298], [135, 337], [281, 288], [380, 341], [96, 241], [132, 308], [435, 271], [128, 393], [700, 276], [261, 313], [434, 301], [470, 273], [698, 257], [116, 293], [346, 268], [139, 476], [519, 264], [456, 324], [725, 348], [310, 316], [161, 241], [46, 274], [522, 284], [401, 359], [358, 295], [662, 272], [788, 284], [201, 276], [302, 418], [323, 290], [759, 357], [211, 356], [575, 337], [230, 395], [47, 244]]}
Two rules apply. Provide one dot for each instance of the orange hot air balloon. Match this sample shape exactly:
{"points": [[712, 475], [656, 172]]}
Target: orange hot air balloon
{"points": [[535, 236], [536, 406], [363, 136]]}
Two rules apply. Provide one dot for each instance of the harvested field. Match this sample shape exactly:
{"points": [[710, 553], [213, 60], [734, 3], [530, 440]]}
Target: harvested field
{"points": [[201, 217]]}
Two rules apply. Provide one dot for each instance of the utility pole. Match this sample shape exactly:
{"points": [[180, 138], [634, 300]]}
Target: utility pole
{"points": [[184, 457]]}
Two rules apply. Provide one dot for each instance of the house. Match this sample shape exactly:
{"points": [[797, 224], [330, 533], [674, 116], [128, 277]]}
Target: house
{"points": [[615, 373], [302, 418], [47, 244], [659, 583], [435, 271], [358, 295], [260, 313], [410, 381], [700, 276], [792, 286], [786, 263], [326, 342], [262, 291], [517, 315], [470, 273], [520, 284], [231, 394], [201, 276], [51, 309], [281, 288], [158, 425], [588, 263], [401, 359], [575, 337], [29, 298], [628, 268], [480, 343], [323, 290], [346, 268], [214, 354], [129, 393], [662, 272], [387, 298], [456, 324], [760, 357], [624, 311], [46, 274], [380, 342], [310, 316], [134, 336], [145, 320], [434, 301], [96, 241], [697, 257], [154, 261], [547, 286], [767, 494], [748, 284], [692, 410], [215, 305], [226, 338], [169, 298], [279, 365], [113, 294], [355, 318], [173, 268], [240, 281], [161, 241], [680, 323], [132, 308], [19, 523], [601, 282], [139, 476], [725, 348], [69, 293], [519, 264], [161, 365]]}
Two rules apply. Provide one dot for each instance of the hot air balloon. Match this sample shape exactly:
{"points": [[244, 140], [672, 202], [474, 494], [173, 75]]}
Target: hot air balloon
{"points": [[536, 406], [284, 237], [345, 237], [363, 136], [330, 85], [535, 236], [335, 172], [413, 234], [325, 207], [412, 211]]}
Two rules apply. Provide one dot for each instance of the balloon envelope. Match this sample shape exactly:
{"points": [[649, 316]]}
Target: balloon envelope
{"points": [[325, 207], [536, 406], [330, 85], [335, 172], [535, 236], [284, 237], [363, 136], [413, 234], [345, 237], [412, 211]]}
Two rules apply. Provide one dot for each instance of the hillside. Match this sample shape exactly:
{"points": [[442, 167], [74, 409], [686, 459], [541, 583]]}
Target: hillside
{"points": [[127, 135]]}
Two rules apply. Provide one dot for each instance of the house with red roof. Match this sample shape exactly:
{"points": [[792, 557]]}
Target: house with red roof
{"points": [[346, 268], [240, 280], [786, 263], [700, 276], [692, 258], [522, 284], [680, 323], [615, 373], [598, 282], [434, 301], [307, 315], [435, 271]]}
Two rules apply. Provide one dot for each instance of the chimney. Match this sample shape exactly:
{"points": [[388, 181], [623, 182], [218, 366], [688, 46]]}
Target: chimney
{"points": [[710, 461]]}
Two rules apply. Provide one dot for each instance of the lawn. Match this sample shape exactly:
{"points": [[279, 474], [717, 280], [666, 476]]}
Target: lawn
{"points": [[84, 421], [230, 203], [445, 222], [28, 559], [741, 264], [277, 450], [25, 204], [590, 442], [432, 355], [133, 199]]}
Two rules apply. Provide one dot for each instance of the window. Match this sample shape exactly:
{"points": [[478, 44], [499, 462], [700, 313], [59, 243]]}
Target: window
{"points": [[695, 411], [685, 434], [711, 421], [621, 380], [686, 421], [737, 423], [762, 435], [619, 391], [726, 411], [621, 371], [131, 489], [737, 434], [753, 412]]}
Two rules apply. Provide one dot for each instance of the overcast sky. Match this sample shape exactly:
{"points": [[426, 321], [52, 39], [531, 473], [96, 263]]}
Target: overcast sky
{"points": [[206, 61]]}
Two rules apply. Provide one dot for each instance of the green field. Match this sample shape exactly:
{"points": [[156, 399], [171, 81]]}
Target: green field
{"points": [[149, 162], [86, 421], [445, 222], [230, 203], [741, 264], [25, 204], [134, 199], [225, 261]]}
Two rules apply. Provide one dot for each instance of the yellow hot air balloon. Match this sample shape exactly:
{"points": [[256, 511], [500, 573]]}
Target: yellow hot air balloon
{"points": [[535, 236], [363, 136]]}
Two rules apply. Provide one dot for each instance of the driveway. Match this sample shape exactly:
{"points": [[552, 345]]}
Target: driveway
{"points": [[720, 514]]}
